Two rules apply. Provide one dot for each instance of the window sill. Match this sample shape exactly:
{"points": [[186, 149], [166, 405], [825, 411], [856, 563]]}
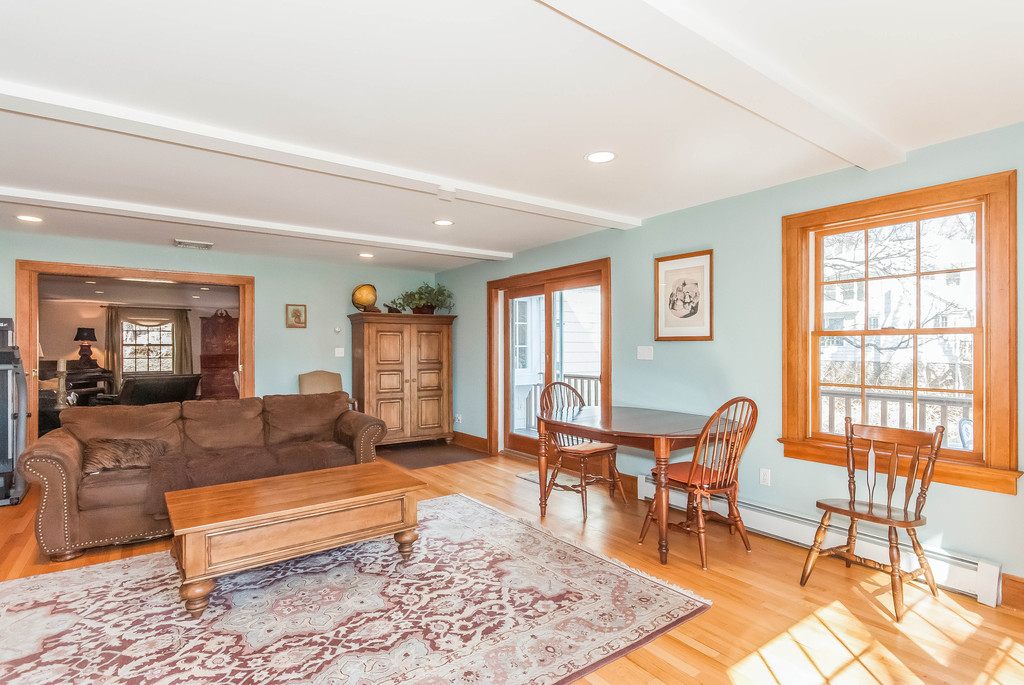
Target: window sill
{"points": [[951, 473]]}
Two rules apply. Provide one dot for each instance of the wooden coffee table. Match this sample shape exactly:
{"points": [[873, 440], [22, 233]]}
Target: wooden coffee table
{"points": [[222, 529]]}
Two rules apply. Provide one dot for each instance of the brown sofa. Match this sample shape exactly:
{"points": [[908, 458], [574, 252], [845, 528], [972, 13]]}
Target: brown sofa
{"points": [[133, 454]]}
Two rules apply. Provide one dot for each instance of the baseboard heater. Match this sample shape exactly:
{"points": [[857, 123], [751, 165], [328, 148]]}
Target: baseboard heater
{"points": [[978, 578]]}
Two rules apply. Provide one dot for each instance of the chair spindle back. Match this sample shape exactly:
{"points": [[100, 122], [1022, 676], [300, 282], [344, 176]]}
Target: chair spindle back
{"points": [[556, 396], [722, 441], [890, 443]]}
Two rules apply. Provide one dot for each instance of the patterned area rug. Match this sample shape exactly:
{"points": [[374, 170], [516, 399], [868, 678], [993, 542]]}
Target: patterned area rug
{"points": [[485, 598]]}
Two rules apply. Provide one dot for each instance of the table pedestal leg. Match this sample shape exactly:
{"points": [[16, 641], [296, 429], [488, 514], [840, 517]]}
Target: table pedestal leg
{"points": [[661, 453], [196, 595], [542, 466], [405, 539]]}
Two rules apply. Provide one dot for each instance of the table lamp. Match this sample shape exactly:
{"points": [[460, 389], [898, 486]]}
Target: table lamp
{"points": [[85, 336]]}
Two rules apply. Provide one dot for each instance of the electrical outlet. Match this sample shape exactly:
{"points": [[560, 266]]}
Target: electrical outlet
{"points": [[339, 351], [766, 477], [458, 418]]}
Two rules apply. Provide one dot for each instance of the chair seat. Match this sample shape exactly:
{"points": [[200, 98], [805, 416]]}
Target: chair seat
{"points": [[679, 474], [876, 513], [587, 448]]}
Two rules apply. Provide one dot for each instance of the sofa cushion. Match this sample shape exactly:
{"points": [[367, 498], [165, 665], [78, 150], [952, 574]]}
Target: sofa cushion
{"points": [[149, 422], [220, 424], [311, 456], [112, 489], [113, 454], [291, 418], [230, 465]]}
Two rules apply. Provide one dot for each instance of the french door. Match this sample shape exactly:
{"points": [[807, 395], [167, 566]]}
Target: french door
{"points": [[554, 331]]}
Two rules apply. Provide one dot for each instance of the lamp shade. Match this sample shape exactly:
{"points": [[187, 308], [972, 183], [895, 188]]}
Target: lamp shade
{"points": [[86, 334]]}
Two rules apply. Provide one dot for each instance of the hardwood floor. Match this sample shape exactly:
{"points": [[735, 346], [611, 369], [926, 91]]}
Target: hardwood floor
{"points": [[762, 628]]}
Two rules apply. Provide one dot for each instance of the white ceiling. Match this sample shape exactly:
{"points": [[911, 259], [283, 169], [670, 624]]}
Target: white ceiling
{"points": [[325, 128], [137, 294]]}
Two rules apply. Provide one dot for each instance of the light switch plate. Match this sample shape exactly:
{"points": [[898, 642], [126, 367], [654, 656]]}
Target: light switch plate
{"points": [[645, 352], [339, 351]]}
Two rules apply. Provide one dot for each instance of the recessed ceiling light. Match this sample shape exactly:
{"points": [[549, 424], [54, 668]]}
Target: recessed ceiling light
{"points": [[444, 222], [98, 292], [90, 282], [366, 255], [30, 219], [600, 157], [192, 244], [204, 288], [195, 297]]}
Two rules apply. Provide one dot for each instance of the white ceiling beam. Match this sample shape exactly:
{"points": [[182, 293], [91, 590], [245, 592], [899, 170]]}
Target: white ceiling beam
{"points": [[28, 100], [670, 35], [94, 205]]}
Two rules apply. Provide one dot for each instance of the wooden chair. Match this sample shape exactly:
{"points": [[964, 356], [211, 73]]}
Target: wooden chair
{"points": [[316, 382], [559, 396], [908, 517], [711, 470]]}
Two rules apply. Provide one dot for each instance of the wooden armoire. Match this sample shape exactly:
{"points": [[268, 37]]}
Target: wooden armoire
{"points": [[402, 373], [218, 356]]}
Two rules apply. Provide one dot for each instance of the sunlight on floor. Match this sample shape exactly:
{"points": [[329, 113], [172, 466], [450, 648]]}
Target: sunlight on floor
{"points": [[834, 646]]}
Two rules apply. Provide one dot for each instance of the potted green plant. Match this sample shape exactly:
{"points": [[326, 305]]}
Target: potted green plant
{"points": [[426, 298], [395, 306]]}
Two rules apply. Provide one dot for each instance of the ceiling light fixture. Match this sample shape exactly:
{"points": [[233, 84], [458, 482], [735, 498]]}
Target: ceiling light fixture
{"points": [[366, 255], [98, 292], [444, 222], [30, 219], [195, 297], [204, 288], [192, 244], [600, 157], [90, 282]]}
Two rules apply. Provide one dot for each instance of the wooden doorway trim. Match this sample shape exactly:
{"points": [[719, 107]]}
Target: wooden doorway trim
{"points": [[497, 330], [26, 281]]}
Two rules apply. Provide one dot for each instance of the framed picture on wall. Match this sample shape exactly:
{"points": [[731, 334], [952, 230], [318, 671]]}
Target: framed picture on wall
{"points": [[683, 297], [295, 316]]}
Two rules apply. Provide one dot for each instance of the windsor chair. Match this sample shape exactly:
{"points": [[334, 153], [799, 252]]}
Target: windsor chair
{"points": [[711, 470], [894, 444]]}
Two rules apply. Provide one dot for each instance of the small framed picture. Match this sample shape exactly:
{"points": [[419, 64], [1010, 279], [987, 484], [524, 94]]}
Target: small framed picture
{"points": [[295, 316], [683, 297]]}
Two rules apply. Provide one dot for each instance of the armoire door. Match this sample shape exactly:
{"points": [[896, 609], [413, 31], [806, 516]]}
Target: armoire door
{"points": [[390, 378], [430, 405]]}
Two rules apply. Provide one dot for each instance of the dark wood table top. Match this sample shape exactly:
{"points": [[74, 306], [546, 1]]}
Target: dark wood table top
{"points": [[632, 426]]}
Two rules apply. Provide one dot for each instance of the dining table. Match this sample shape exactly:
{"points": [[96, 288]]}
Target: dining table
{"points": [[655, 430]]}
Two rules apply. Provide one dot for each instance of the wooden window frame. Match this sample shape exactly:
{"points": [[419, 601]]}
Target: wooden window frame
{"points": [[998, 319]]}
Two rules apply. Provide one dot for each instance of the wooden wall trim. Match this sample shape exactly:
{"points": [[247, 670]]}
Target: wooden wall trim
{"points": [[472, 442], [26, 280], [1012, 592]]}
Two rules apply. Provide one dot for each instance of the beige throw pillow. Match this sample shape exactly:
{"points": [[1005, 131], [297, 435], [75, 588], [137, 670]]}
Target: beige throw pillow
{"points": [[111, 454]]}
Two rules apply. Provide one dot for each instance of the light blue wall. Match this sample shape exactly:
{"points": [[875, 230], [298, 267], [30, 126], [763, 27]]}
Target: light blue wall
{"points": [[281, 353], [745, 356]]}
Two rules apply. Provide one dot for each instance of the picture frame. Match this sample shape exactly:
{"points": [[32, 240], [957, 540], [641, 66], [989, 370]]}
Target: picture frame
{"points": [[295, 316], [684, 296]]}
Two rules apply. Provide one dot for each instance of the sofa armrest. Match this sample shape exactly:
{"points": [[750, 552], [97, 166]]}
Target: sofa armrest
{"points": [[360, 433], [55, 463]]}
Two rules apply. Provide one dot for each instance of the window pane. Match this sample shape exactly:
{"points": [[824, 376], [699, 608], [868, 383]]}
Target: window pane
{"points": [[892, 250], [129, 365], [949, 300], [948, 242], [842, 256], [946, 362], [893, 408], [889, 360], [839, 358], [954, 411], [165, 336], [893, 302], [842, 307], [836, 405]]}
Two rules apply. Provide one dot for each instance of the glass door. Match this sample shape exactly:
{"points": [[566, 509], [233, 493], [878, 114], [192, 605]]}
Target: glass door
{"points": [[554, 334]]}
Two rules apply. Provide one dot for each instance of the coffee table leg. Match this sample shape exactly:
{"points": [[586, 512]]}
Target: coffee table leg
{"points": [[405, 539], [196, 595]]}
